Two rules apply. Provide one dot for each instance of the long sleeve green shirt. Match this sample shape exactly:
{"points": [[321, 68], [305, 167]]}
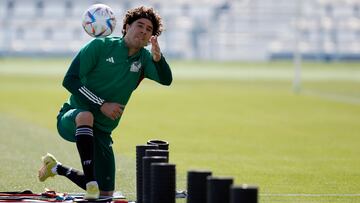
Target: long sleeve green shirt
{"points": [[102, 72]]}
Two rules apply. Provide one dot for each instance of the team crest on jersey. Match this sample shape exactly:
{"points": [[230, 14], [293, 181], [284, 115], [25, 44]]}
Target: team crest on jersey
{"points": [[135, 67]]}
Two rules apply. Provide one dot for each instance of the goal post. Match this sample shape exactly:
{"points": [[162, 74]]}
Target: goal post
{"points": [[297, 58]]}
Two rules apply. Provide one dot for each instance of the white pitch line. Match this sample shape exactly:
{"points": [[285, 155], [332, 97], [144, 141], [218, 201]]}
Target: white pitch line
{"points": [[310, 195], [334, 97]]}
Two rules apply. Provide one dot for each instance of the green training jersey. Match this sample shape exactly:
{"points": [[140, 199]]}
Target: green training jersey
{"points": [[103, 71]]}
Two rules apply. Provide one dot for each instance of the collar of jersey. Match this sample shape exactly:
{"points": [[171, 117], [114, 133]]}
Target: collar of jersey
{"points": [[123, 45]]}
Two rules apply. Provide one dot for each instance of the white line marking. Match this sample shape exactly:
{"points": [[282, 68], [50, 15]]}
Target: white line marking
{"points": [[333, 97], [310, 195]]}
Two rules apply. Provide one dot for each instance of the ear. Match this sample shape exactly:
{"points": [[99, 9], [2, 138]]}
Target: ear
{"points": [[127, 27]]}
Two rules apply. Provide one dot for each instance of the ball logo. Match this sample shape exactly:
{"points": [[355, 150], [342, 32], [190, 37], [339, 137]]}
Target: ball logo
{"points": [[99, 20]]}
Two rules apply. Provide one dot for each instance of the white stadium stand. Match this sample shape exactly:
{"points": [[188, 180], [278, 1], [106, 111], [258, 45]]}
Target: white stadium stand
{"points": [[201, 29]]}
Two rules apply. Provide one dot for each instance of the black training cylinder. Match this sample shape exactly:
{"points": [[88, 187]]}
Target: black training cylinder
{"points": [[163, 183], [244, 194], [196, 186], [218, 189], [161, 143], [147, 161], [140, 153], [157, 152]]}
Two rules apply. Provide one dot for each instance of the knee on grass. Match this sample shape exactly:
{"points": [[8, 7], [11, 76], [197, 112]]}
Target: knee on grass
{"points": [[106, 193]]}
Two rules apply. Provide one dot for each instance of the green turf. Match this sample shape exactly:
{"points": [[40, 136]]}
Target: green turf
{"points": [[252, 129]]}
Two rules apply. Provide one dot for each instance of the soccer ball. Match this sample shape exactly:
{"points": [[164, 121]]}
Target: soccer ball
{"points": [[99, 20]]}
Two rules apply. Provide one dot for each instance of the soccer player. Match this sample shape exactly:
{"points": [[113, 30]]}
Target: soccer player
{"points": [[101, 78]]}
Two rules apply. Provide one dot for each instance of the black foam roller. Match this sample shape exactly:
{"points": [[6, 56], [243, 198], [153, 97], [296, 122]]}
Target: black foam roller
{"points": [[157, 152], [147, 161], [218, 189], [161, 143], [140, 153], [196, 186], [244, 194], [163, 183]]}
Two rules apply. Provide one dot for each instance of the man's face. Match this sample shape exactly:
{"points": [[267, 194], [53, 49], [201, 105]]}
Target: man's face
{"points": [[139, 32]]}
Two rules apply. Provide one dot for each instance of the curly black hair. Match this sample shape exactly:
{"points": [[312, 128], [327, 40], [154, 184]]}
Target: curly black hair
{"points": [[143, 12]]}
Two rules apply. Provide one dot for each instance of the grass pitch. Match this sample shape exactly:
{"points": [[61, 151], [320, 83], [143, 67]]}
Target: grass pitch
{"points": [[235, 119]]}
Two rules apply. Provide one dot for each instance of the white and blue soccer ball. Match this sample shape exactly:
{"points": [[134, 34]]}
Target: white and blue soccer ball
{"points": [[99, 20]]}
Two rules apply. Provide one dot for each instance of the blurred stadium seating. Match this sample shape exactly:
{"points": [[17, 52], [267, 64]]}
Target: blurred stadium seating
{"points": [[201, 29]]}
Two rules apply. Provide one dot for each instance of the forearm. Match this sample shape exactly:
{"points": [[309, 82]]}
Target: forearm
{"points": [[164, 71], [73, 84]]}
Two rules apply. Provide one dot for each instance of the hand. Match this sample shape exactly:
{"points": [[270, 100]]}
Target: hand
{"points": [[112, 110], [155, 49]]}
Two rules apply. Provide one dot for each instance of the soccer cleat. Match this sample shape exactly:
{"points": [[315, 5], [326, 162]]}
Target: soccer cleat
{"points": [[49, 162], [92, 190]]}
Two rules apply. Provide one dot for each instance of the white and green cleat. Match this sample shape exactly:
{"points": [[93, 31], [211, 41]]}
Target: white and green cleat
{"points": [[92, 191], [49, 162]]}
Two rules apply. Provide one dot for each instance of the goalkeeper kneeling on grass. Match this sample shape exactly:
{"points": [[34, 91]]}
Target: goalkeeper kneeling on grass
{"points": [[101, 78]]}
